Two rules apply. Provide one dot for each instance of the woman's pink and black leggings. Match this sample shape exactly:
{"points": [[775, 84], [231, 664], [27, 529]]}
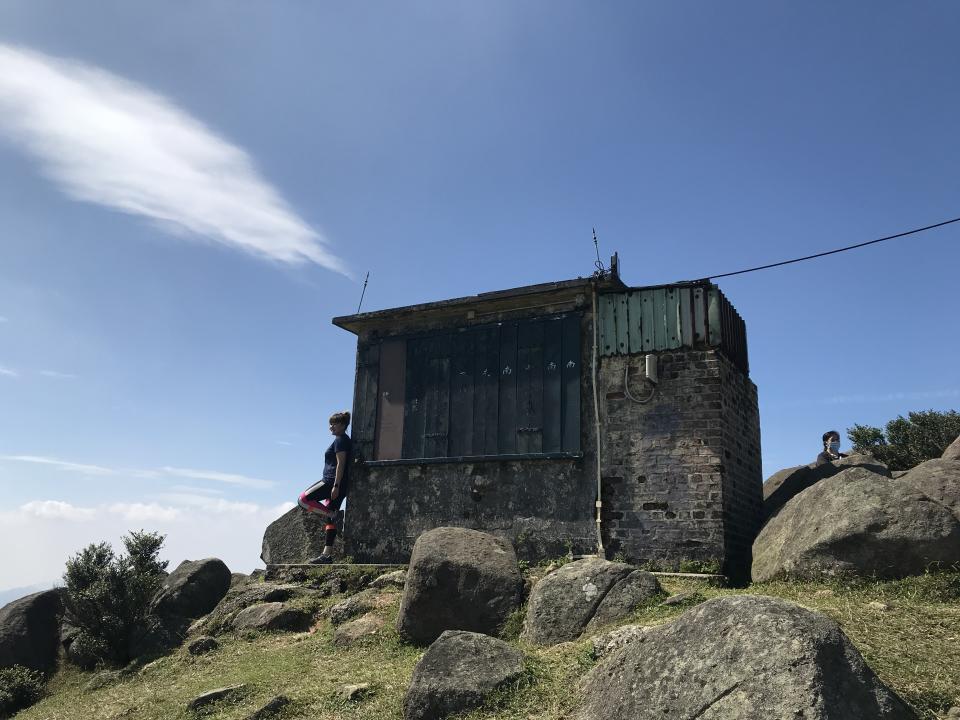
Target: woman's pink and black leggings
{"points": [[316, 499]]}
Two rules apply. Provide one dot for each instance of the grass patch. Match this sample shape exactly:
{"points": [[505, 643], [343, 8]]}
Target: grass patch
{"points": [[913, 645]]}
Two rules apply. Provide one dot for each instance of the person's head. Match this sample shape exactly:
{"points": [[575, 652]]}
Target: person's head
{"points": [[339, 422], [831, 441]]}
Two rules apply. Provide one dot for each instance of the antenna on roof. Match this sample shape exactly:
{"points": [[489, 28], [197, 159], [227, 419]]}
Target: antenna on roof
{"points": [[600, 269], [364, 292]]}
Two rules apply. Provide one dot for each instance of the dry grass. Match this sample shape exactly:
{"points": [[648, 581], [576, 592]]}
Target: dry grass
{"points": [[914, 646]]}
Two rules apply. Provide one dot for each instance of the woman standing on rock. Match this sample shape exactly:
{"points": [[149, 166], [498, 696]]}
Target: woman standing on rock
{"points": [[326, 497]]}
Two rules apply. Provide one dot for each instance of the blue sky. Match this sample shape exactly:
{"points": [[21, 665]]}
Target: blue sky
{"points": [[190, 191]]}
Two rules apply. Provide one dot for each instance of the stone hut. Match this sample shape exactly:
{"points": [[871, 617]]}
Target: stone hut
{"points": [[481, 412]]}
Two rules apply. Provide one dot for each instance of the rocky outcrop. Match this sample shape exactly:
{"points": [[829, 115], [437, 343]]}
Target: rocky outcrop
{"points": [[243, 597], [273, 616], [30, 630], [939, 480], [457, 672], [566, 601], [294, 537], [952, 452], [358, 604], [357, 630], [193, 589], [739, 657], [458, 579], [856, 523], [780, 487]]}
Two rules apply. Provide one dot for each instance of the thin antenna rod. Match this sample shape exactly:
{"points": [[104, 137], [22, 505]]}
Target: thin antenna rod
{"points": [[601, 270], [364, 291]]}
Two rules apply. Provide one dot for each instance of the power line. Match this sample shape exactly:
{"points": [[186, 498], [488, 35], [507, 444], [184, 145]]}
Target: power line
{"points": [[838, 250]]}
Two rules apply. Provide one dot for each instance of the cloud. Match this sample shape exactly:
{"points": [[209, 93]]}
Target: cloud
{"points": [[284, 443], [7, 372], [61, 464], [59, 375], [4, 319], [105, 140], [54, 530], [56, 510], [193, 474], [216, 476], [888, 397]]}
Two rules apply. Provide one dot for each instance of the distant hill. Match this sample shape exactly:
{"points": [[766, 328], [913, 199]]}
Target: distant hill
{"points": [[8, 596]]}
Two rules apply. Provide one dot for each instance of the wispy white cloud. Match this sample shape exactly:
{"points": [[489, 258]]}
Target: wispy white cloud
{"points": [[165, 472], [222, 477], [57, 510], [285, 443], [4, 319], [58, 375], [61, 464], [194, 489], [889, 397], [141, 512], [7, 372], [105, 140]]}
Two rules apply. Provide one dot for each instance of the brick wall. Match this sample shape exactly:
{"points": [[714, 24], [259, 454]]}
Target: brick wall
{"points": [[681, 473]]}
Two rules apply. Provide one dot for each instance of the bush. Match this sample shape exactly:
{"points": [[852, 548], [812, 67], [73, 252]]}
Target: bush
{"points": [[20, 687], [907, 442], [108, 596]]}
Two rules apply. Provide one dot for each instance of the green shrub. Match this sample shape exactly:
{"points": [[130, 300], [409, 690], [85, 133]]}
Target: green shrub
{"points": [[907, 442], [108, 596], [20, 687]]}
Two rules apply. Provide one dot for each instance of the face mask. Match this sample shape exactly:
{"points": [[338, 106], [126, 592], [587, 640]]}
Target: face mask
{"points": [[835, 446]]}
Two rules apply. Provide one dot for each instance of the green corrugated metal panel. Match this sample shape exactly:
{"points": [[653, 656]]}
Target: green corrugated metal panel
{"points": [[646, 308], [714, 319], [636, 319], [623, 325], [672, 316], [608, 324], [686, 317]]}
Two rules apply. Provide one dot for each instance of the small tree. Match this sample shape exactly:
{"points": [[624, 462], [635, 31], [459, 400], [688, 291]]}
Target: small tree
{"points": [[907, 442], [108, 597], [20, 687]]}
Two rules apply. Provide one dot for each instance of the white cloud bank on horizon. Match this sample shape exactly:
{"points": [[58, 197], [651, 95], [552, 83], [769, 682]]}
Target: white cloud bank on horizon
{"points": [[105, 140], [173, 472], [47, 532]]}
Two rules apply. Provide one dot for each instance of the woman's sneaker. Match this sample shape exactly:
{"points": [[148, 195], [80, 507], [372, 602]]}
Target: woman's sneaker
{"points": [[322, 560]]}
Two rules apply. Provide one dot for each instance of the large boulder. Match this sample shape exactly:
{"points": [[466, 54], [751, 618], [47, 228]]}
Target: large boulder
{"points": [[635, 590], [952, 452], [458, 579], [193, 589], [785, 484], [273, 616], [30, 630], [856, 523], [739, 657], [563, 603], [295, 537], [457, 672], [939, 480]]}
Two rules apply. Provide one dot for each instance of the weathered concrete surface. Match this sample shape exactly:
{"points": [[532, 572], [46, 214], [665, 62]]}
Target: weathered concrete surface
{"points": [[739, 657]]}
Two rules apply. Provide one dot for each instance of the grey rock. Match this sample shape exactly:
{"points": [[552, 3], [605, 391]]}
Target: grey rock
{"points": [[193, 589], [356, 631], [294, 537], [457, 672], [362, 602], [30, 630], [685, 598], [238, 579], [939, 480], [458, 579], [634, 591], [272, 617], [952, 452], [202, 645], [272, 707], [856, 523], [780, 487], [954, 712], [562, 603], [157, 636], [394, 579], [245, 596], [739, 657], [234, 692], [352, 693], [618, 637]]}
